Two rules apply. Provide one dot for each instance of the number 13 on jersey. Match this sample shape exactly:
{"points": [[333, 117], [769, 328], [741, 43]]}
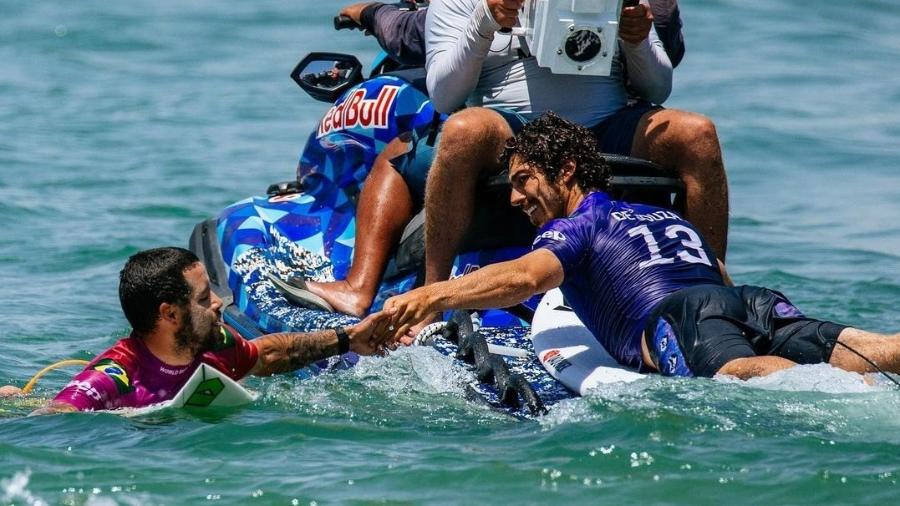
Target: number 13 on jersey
{"points": [[693, 246]]}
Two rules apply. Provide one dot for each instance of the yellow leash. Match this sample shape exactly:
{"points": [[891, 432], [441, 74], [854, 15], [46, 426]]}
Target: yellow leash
{"points": [[62, 363]]}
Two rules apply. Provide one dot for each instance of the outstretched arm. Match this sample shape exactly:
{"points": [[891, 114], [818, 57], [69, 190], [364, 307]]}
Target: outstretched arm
{"points": [[288, 351], [499, 285]]}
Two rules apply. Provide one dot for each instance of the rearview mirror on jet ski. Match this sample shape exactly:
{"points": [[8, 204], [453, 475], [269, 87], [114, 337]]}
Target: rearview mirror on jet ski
{"points": [[326, 76]]}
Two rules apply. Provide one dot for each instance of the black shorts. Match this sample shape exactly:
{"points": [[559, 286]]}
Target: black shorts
{"points": [[615, 134], [697, 330]]}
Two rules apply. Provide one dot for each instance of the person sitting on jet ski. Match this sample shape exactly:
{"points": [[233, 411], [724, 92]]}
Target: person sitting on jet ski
{"points": [[642, 279], [399, 28], [393, 194]]}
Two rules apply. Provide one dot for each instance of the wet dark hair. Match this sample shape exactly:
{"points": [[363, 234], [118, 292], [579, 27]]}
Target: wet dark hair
{"points": [[549, 141], [150, 278]]}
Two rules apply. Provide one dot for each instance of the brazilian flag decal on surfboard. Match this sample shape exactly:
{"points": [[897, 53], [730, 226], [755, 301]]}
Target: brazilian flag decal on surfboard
{"points": [[118, 374]]}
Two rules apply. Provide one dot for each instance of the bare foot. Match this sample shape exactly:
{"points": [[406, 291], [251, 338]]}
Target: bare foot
{"points": [[342, 296]]}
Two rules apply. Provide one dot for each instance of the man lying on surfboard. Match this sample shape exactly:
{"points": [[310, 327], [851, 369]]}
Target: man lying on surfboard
{"points": [[641, 278], [177, 325]]}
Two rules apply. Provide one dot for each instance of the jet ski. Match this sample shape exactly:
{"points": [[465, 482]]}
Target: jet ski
{"points": [[259, 250]]}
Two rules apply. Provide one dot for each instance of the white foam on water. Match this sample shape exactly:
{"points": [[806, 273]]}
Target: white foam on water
{"points": [[812, 378], [95, 500], [415, 368], [15, 489]]}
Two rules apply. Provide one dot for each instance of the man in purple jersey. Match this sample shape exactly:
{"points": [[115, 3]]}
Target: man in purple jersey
{"points": [[641, 278], [177, 322]]}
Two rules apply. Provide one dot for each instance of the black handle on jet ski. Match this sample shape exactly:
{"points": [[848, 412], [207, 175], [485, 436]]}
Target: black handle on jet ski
{"points": [[342, 22], [630, 3]]}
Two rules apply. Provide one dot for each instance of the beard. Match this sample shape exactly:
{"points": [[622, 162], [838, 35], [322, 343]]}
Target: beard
{"points": [[195, 340]]}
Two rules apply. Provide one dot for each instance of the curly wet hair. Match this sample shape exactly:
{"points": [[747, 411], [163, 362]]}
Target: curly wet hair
{"points": [[549, 141]]}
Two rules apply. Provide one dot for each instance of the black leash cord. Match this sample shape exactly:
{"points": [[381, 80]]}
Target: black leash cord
{"points": [[873, 364]]}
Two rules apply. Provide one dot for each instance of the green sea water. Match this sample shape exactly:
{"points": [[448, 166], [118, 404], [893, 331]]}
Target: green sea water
{"points": [[122, 124]]}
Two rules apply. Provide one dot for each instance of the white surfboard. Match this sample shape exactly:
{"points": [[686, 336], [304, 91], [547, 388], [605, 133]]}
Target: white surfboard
{"points": [[207, 387], [568, 350]]}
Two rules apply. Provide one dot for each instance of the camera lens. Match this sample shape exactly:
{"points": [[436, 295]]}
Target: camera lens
{"points": [[583, 45]]}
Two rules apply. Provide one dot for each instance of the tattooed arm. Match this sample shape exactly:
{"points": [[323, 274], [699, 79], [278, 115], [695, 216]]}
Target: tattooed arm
{"points": [[287, 351]]}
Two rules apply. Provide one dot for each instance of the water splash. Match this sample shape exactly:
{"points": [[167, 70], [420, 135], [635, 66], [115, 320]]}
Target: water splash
{"points": [[15, 489]]}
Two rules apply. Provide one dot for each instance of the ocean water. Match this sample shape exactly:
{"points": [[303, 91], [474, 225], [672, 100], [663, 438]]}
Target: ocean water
{"points": [[122, 124]]}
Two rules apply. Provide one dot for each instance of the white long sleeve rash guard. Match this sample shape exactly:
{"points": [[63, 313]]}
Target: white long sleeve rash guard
{"points": [[470, 62]]}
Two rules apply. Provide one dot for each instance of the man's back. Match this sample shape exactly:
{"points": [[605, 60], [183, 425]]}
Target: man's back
{"points": [[619, 261]]}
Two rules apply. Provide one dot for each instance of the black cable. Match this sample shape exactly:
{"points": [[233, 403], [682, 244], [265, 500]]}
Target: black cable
{"points": [[873, 364], [508, 44]]}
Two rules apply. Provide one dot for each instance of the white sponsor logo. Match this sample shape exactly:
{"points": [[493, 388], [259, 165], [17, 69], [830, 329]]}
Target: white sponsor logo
{"points": [[85, 388], [629, 214], [357, 110], [552, 235], [673, 364], [172, 372]]}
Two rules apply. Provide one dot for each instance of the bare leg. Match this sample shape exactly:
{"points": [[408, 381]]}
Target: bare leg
{"points": [[883, 350], [470, 144], [385, 207], [751, 367], [688, 143]]}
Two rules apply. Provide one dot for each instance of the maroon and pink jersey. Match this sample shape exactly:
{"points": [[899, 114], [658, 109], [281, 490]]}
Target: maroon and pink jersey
{"points": [[128, 375]]}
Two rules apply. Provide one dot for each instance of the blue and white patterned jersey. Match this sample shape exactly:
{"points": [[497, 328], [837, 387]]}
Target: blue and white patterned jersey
{"points": [[620, 260]]}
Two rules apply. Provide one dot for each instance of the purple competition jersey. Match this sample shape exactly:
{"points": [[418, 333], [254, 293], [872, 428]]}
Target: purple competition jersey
{"points": [[128, 375], [619, 261]]}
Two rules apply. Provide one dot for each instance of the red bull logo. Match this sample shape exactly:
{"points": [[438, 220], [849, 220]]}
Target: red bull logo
{"points": [[357, 110]]}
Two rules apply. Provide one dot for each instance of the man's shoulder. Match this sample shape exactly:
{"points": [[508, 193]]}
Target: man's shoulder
{"points": [[594, 210], [120, 363], [227, 339], [123, 353]]}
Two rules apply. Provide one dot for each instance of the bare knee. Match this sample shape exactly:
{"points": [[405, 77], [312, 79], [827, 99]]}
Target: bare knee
{"points": [[475, 129], [695, 146], [689, 127], [677, 138]]}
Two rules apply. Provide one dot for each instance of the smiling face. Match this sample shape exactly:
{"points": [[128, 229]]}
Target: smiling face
{"points": [[201, 316], [541, 199]]}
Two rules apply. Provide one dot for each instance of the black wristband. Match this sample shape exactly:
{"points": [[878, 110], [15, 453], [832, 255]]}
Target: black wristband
{"points": [[343, 340]]}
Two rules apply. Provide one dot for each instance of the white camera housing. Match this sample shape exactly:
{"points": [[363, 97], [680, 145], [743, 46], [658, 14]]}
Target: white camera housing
{"points": [[572, 36]]}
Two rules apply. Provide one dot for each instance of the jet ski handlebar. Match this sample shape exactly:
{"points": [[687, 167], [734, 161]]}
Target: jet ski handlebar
{"points": [[342, 22]]}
